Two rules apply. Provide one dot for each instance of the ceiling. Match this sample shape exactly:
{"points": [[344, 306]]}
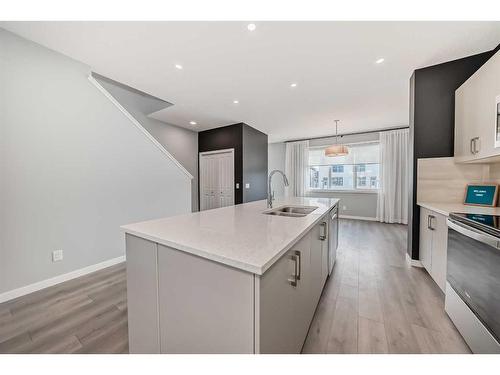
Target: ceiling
{"points": [[332, 63]]}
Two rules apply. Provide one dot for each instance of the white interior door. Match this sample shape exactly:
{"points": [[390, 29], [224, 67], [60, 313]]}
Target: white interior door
{"points": [[216, 179]]}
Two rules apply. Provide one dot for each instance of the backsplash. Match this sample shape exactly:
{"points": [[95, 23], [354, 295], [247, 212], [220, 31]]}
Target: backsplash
{"points": [[495, 173], [442, 180]]}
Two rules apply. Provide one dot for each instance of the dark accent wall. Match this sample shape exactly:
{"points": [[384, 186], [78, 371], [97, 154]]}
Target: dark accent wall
{"points": [[254, 164], [250, 157], [230, 136], [432, 123]]}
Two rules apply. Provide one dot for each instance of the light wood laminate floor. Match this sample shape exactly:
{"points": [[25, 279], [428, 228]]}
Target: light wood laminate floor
{"points": [[372, 303], [375, 303]]}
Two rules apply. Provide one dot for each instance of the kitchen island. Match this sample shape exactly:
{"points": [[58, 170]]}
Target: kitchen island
{"points": [[238, 279]]}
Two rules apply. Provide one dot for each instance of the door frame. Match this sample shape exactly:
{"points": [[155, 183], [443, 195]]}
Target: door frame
{"points": [[204, 153]]}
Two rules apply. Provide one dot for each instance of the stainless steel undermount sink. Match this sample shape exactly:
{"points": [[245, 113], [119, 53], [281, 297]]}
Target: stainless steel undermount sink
{"points": [[291, 211]]}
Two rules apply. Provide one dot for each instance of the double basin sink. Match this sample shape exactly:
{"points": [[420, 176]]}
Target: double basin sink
{"points": [[291, 211]]}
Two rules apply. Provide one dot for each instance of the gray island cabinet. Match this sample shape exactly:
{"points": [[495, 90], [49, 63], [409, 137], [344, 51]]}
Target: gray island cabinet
{"points": [[243, 282]]}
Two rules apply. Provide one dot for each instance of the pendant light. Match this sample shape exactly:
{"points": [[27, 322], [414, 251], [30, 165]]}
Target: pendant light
{"points": [[336, 149]]}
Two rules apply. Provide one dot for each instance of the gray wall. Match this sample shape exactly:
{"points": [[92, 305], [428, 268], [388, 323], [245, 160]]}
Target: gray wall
{"points": [[72, 168], [352, 203], [362, 205], [254, 164], [180, 142]]}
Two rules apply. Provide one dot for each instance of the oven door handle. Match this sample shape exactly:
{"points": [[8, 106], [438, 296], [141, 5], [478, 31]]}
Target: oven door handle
{"points": [[478, 236]]}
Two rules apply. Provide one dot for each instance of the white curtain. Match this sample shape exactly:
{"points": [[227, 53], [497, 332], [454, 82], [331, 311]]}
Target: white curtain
{"points": [[296, 164], [392, 205]]}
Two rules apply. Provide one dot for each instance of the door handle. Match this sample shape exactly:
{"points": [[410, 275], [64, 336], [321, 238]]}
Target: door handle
{"points": [[470, 232], [473, 146], [429, 222], [299, 259], [293, 279], [322, 237], [476, 149]]}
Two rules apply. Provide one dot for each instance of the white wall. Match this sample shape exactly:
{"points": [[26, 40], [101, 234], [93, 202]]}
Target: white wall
{"points": [[72, 168], [180, 142], [276, 160], [356, 204]]}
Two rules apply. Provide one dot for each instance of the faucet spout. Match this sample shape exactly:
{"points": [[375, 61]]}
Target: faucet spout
{"points": [[270, 195]]}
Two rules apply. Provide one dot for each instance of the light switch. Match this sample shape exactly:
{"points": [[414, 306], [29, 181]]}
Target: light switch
{"points": [[247, 186]]}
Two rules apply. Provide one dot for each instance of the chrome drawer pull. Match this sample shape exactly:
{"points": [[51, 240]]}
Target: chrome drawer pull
{"points": [[293, 279], [322, 237]]}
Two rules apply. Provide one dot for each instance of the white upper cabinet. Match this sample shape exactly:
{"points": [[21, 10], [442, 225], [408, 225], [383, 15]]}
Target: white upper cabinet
{"points": [[476, 115]]}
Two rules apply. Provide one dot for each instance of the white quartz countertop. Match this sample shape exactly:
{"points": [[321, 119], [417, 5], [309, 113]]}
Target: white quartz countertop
{"points": [[447, 208], [240, 236]]}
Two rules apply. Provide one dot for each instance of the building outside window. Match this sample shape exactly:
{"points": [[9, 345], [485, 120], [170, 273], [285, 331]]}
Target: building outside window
{"points": [[337, 181], [338, 168], [360, 167], [359, 170]]}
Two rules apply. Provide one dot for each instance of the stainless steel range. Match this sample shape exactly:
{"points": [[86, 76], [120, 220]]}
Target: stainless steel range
{"points": [[473, 279]]}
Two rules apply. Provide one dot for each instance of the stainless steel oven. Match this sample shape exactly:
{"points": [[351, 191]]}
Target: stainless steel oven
{"points": [[473, 279]]}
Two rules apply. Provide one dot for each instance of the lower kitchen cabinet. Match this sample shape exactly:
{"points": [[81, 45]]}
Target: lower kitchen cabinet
{"points": [[284, 300], [290, 291], [189, 304], [319, 259], [433, 245]]}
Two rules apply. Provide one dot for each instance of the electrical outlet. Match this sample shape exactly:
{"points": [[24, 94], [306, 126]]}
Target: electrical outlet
{"points": [[237, 185], [57, 255], [247, 186], [344, 208]]}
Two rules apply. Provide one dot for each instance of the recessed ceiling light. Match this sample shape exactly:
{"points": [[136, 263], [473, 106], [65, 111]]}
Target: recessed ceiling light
{"points": [[293, 85], [251, 27], [193, 122], [178, 66], [380, 61], [236, 101]]}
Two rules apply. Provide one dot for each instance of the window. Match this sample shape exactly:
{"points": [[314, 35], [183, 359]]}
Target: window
{"points": [[357, 171], [361, 181], [337, 181], [361, 168]]}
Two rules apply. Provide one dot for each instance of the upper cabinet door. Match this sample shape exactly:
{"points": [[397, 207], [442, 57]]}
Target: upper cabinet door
{"points": [[464, 132], [476, 114]]}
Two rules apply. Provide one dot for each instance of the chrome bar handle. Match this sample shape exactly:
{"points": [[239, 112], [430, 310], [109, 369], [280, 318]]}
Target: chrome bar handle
{"points": [[293, 279], [472, 146], [470, 232], [298, 254], [430, 222], [476, 149], [322, 237]]}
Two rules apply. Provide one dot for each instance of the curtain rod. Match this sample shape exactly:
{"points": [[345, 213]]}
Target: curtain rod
{"points": [[355, 133]]}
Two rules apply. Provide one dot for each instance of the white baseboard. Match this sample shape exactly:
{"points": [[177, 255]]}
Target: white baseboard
{"points": [[413, 262], [15, 293], [358, 217]]}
